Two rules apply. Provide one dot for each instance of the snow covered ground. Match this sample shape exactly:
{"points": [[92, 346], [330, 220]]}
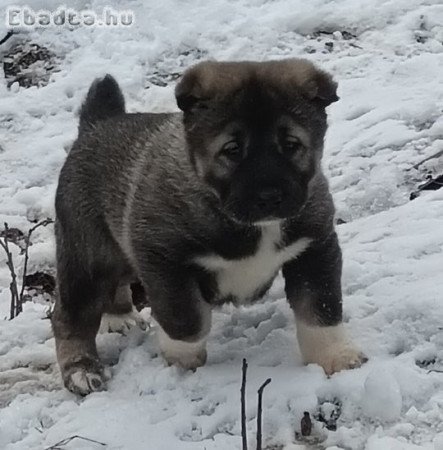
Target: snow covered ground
{"points": [[388, 59]]}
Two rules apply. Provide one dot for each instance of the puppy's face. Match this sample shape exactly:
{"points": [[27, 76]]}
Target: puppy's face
{"points": [[255, 133]]}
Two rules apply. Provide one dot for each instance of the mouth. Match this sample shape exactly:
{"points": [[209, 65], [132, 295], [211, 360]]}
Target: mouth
{"points": [[260, 207], [254, 218], [268, 222]]}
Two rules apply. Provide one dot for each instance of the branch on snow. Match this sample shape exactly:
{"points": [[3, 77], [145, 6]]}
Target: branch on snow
{"points": [[16, 237], [59, 445]]}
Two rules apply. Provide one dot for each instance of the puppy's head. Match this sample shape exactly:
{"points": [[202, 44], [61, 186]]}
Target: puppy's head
{"points": [[255, 132]]}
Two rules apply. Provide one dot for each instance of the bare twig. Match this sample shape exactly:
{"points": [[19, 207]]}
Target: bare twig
{"points": [[436, 155], [43, 223], [260, 412], [13, 284], [66, 441], [16, 298], [243, 406], [7, 36]]}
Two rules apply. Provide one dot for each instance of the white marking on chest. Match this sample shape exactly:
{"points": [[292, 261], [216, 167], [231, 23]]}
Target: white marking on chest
{"points": [[242, 278]]}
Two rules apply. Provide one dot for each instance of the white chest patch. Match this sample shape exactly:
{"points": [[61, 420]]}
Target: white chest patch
{"points": [[242, 278]]}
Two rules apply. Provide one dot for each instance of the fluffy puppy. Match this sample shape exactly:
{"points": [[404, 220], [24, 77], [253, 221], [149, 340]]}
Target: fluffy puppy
{"points": [[201, 207]]}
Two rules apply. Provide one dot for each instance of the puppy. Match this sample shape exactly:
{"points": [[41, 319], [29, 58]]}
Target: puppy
{"points": [[202, 208]]}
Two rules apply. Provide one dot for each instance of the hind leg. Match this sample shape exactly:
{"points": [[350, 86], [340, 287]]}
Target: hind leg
{"points": [[89, 268], [75, 322], [120, 314]]}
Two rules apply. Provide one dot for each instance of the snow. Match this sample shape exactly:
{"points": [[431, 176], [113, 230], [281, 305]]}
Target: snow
{"points": [[388, 119], [382, 397]]}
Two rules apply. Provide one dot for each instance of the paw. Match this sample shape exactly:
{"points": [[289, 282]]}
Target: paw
{"points": [[122, 323], [187, 355], [341, 358], [329, 347], [82, 381], [186, 361]]}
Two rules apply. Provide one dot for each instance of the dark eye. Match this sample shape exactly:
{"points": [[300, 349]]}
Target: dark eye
{"points": [[291, 145], [232, 150]]}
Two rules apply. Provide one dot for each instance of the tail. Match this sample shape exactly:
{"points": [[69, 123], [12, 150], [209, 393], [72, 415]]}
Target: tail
{"points": [[104, 100]]}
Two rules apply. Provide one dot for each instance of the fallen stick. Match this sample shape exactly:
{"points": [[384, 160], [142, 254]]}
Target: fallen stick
{"points": [[436, 155], [9, 34], [66, 441]]}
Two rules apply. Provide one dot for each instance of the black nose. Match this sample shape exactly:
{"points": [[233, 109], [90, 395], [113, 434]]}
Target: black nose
{"points": [[269, 198]]}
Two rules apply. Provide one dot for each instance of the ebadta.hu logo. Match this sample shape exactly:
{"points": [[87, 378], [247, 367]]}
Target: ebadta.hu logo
{"points": [[25, 16]]}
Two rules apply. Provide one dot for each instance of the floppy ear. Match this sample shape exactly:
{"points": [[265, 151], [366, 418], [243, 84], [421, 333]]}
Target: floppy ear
{"points": [[303, 77], [321, 87], [207, 81], [196, 86], [188, 90]]}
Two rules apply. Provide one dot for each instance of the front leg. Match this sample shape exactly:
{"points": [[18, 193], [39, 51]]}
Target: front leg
{"points": [[313, 288], [183, 316]]}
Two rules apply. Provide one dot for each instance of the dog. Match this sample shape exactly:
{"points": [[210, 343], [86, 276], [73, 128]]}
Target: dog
{"points": [[202, 207]]}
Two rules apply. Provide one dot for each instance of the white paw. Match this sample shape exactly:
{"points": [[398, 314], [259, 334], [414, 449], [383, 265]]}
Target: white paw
{"points": [[122, 323], [328, 347], [187, 355], [341, 358], [82, 382]]}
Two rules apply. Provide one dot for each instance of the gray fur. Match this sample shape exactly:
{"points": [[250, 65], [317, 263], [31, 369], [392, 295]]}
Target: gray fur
{"points": [[104, 100], [131, 206]]}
